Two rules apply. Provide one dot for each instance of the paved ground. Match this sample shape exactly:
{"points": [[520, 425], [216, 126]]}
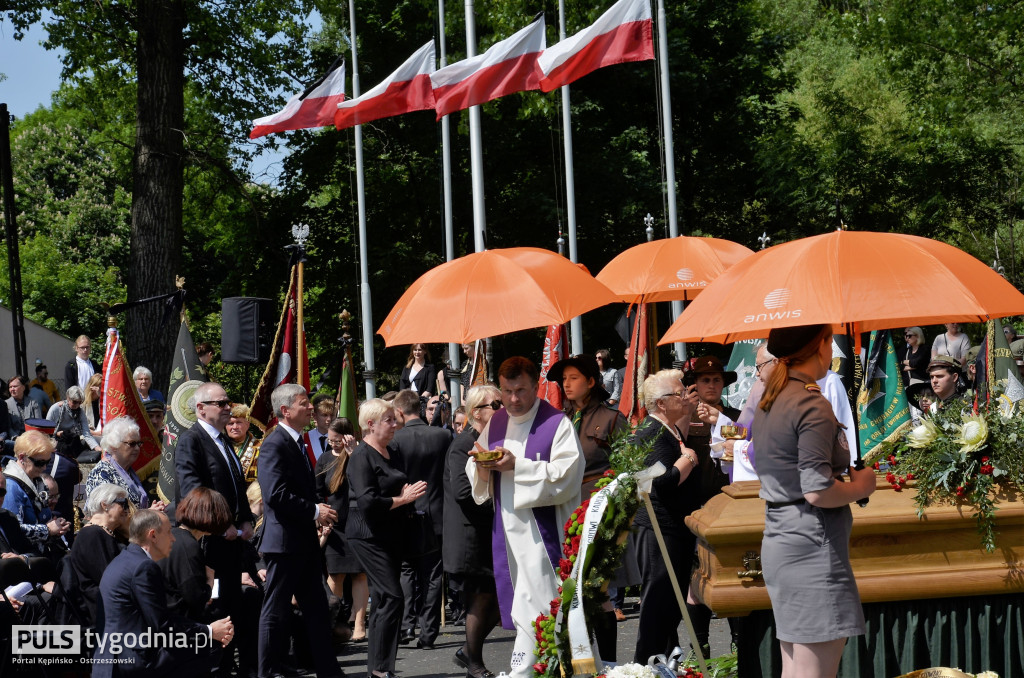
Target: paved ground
{"points": [[416, 663]]}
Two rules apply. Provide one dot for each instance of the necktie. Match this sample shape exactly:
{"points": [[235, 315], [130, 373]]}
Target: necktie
{"points": [[577, 420], [232, 461], [323, 444]]}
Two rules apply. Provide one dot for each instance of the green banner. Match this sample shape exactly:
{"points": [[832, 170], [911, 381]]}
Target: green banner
{"points": [[1000, 367], [882, 408]]}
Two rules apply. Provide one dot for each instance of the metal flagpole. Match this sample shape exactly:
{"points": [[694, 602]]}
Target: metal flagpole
{"points": [[366, 311], [449, 235], [476, 153], [576, 324], [678, 347]]}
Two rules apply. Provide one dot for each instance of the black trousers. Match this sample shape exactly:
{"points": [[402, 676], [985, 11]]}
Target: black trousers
{"points": [[383, 570], [659, 609], [422, 589], [299, 575]]}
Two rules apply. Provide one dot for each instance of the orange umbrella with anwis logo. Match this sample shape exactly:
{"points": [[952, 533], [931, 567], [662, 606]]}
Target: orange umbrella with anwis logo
{"points": [[856, 281], [672, 269], [490, 293]]}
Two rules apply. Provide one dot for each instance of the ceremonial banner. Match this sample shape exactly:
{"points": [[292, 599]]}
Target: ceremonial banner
{"points": [[882, 408], [120, 399], [187, 373], [313, 107], [347, 397], [289, 343], [554, 350], [506, 67], [743, 362], [407, 89], [620, 35], [847, 365], [632, 402], [997, 364]]}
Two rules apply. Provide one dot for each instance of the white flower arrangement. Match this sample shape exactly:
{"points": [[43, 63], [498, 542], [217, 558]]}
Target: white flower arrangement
{"points": [[631, 670]]}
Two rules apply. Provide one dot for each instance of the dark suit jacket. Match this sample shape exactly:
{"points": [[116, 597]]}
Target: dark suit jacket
{"points": [[425, 379], [424, 449], [289, 497], [466, 547], [133, 599], [200, 464], [71, 373], [12, 540]]}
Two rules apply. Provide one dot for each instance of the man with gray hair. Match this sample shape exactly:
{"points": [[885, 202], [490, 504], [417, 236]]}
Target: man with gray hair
{"points": [[205, 457], [135, 603], [291, 512]]}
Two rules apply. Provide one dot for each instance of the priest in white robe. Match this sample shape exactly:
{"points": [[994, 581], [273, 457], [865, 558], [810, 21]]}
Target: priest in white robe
{"points": [[535, 485]]}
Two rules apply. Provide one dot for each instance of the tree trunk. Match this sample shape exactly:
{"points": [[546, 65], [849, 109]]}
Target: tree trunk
{"points": [[157, 171]]}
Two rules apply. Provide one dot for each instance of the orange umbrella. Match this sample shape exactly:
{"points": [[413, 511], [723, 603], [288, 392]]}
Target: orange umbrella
{"points": [[856, 281], [673, 269], [490, 293]]}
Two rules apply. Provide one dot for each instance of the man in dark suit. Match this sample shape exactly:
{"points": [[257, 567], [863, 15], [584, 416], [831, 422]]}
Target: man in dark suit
{"points": [[424, 450], [79, 369], [133, 601], [290, 546], [204, 457]]}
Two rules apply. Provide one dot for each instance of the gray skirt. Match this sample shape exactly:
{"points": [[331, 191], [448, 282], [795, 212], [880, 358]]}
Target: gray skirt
{"points": [[805, 555]]}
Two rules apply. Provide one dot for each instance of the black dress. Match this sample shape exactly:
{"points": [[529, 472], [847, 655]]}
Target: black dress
{"points": [[466, 546], [340, 560], [83, 568], [185, 577]]}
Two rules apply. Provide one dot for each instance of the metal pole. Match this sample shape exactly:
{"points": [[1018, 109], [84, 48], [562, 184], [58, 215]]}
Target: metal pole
{"points": [[13, 258], [476, 154], [678, 348], [454, 383], [576, 324], [369, 374]]}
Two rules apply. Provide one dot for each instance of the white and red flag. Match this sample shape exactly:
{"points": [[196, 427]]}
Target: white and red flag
{"points": [[622, 34], [407, 89], [508, 66], [313, 107]]}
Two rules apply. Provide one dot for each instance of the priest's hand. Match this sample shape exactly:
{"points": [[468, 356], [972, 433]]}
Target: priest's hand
{"points": [[707, 414], [507, 462]]}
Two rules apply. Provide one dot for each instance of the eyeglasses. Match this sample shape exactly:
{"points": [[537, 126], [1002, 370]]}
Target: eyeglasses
{"points": [[132, 443], [218, 403], [122, 502], [678, 394], [83, 348], [39, 463], [758, 366], [336, 443], [494, 405]]}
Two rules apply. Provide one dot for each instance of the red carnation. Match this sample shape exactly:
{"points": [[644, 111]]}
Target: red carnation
{"points": [[540, 667], [986, 469], [555, 604]]}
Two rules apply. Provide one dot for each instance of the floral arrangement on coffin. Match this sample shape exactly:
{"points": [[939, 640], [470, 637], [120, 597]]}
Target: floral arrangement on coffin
{"points": [[640, 671], [605, 555], [957, 456]]}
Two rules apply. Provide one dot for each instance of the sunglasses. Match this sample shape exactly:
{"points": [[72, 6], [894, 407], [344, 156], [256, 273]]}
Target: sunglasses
{"points": [[494, 405], [133, 443], [218, 403], [122, 502], [39, 463]]}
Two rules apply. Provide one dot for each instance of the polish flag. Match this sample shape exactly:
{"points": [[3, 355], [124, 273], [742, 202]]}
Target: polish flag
{"points": [[622, 34], [508, 66], [407, 89], [313, 107]]}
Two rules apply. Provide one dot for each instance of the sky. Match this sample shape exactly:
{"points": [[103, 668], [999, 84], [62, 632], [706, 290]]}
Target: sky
{"points": [[33, 74]]}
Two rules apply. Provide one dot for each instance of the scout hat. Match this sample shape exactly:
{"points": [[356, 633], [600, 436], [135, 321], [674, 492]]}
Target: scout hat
{"points": [[587, 365], [710, 364], [944, 362]]}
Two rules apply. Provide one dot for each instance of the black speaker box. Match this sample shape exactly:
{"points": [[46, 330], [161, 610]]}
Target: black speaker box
{"points": [[247, 330]]}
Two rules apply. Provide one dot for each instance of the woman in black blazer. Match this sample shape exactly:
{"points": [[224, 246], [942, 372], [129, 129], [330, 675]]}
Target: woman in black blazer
{"points": [[419, 374], [466, 547], [377, 525]]}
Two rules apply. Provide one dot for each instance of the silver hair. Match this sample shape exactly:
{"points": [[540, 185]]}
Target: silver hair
{"points": [[284, 395], [103, 494], [75, 393], [141, 371], [116, 431], [659, 385]]}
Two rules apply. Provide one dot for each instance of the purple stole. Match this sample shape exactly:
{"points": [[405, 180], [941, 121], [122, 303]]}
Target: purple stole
{"points": [[538, 448]]}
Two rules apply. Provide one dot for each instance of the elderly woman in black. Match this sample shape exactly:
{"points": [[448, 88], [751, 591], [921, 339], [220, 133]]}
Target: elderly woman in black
{"points": [[801, 455], [377, 525], [466, 547], [674, 495]]}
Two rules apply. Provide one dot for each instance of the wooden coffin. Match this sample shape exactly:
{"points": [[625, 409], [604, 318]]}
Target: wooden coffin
{"points": [[895, 555]]}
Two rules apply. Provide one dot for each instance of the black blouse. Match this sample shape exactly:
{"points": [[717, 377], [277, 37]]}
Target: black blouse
{"points": [[91, 552], [337, 500], [373, 482], [671, 501], [184, 570]]}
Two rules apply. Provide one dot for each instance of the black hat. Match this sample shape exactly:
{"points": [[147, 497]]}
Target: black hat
{"points": [[710, 364], [918, 388], [155, 405], [587, 365], [786, 341]]}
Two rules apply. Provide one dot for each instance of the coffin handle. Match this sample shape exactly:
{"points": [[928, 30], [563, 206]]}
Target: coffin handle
{"points": [[752, 565]]}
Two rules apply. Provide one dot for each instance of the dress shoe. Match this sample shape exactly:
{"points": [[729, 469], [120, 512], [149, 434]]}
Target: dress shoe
{"points": [[424, 646], [620, 616], [461, 659], [483, 674], [408, 635]]}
